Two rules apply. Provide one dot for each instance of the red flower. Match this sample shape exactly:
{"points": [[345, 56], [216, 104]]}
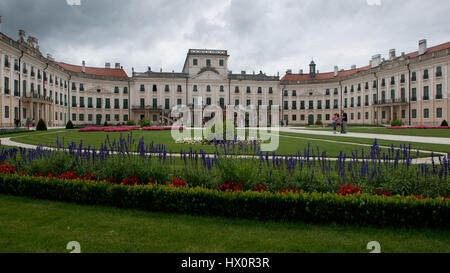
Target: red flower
{"points": [[348, 190], [130, 181], [261, 188], [229, 187], [90, 177], [286, 190], [151, 181], [5, 168], [177, 183]]}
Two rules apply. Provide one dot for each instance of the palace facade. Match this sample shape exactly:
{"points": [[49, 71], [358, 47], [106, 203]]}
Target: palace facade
{"points": [[410, 87]]}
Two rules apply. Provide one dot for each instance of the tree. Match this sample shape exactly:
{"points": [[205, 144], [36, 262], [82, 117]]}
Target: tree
{"points": [[444, 124], [145, 123], [41, 125], [69, 125]]}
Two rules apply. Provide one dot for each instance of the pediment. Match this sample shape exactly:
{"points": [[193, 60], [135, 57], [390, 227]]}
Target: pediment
{"points": [[208, 75]]}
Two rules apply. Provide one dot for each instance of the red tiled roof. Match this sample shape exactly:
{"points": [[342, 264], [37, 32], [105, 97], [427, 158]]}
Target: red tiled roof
{"points": [[330, 75], [106, 72]]}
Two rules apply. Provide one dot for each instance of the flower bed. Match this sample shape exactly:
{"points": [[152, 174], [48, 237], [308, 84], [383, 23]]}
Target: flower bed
{"points": [[418, 127], [108, 129], [162, 128], [203, 141], [361, 209]]}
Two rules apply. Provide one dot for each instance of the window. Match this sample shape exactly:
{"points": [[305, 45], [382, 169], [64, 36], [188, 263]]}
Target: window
{"points": [[179, 101], [142, 103], [414, 94], [336, 91], [16, 88], [259, 102], [359, 116], [74, 101], [89, 102], [107, 103], [359, 101], [327, 117], [6, 61], [167, 104], [392, 80], [425, 74], [155, 103], [222, 102], [319, 104], [352, 102], [294, 93], [426, 113], [336, 104], [367, 115], [359, 87], [438, 71], [221, 88], [195, 62], [402, 78], [327, 104], [302, 117], [116, 117], [259, 90], [6, 85], [383, 82], [56, 115], [286, 105], [270, 90], [439, 91], [116, 104], [81, 102], [367, 102], [155, 88], [319, 117], [194, 88], [311, 104], [367, 86], [426, 93], [99, 103], [302, 105], [208, 88], [208, 62], [125, 103], [383, 114], [345, 103], [125, 90], [108, 117], [221, 63], [249, 102], [81, 117], [236, 102], [125, 117], [6, 111], [403, 114], [249, 90], [166, 88], [294, 105], [439, 112], [208, 101], [294, 117], [81, 87], [414, 76], [392, 95], [327, 92], [179, 90], [236, 89], [142, 88], [74, 116], [414, 113], [403, 94]]}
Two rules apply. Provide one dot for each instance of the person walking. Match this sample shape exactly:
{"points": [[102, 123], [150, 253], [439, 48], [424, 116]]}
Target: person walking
{"points": [[28, 123], [344, 122], [335, 119]]}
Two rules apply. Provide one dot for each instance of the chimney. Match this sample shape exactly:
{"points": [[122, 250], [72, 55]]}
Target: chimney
{"points": [[336, 71], [354, 67], [392, 54], [108, 65], [300, 71], [83, 66], [149, 69], [422, 46], [243, 72], [289, 71], [0, 24], [376, 60], [312, 70], [117, 66]]}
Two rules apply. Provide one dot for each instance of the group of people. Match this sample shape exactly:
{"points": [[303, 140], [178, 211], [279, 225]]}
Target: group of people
{"points": [[28, 123], [340, 120]]}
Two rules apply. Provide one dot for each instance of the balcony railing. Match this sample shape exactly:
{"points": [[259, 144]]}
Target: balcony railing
{"points": [[391, 101]]}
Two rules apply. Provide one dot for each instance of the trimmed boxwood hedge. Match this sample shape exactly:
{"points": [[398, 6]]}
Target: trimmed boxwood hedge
{"points": [[360, 209]]}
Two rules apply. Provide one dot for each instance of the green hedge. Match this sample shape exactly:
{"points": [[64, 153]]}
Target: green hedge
{"points": [[361, 209]]}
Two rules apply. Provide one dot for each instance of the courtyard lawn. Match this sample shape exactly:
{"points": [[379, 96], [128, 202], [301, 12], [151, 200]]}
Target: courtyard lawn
{"points": [[288, 144], [443, 148], [39, 226], [385, 131]]}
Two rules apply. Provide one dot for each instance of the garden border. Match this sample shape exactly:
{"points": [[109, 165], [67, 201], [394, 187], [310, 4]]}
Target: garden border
{"points": [[361, 209]]}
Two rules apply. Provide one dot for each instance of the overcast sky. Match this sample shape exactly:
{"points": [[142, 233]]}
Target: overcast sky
{"points": [[266, 35]]}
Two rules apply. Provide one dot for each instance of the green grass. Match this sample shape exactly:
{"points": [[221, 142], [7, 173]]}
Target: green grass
{"points": [[385, 131], [287, 145], [443, 148], [38, 226]]}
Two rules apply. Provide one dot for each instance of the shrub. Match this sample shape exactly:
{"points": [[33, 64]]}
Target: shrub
{"points": [[69, 125], [105, 124], [396, 123], [130, 123], [41, 126], [444, 124], [319, 122], [362, 209], [145, 123]]}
